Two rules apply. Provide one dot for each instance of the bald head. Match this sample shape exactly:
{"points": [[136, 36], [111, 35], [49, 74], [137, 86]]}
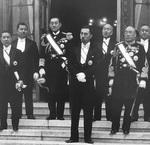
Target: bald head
{"points": [[144, 32], [107, 30], [130, 34]]}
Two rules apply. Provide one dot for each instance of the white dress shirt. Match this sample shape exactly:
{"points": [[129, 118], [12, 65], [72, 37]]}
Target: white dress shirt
{"points": [[84, 52], [6, 51], [105, 45], [21, 44], [145, 43]]}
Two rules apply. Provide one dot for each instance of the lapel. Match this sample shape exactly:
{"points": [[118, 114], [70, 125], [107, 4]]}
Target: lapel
{"points": [[89, 53], [108, 47], [27, 44], [15, 43], [1, 56], [78, 53], [148, 52], [12, 54]]}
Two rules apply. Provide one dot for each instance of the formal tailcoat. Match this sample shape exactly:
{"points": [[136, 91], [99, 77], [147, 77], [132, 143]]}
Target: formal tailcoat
{"points": [[103, 67], [30, 58], [56, 74], [125, 80], [8, 92], [89, 68], [148, 57]]}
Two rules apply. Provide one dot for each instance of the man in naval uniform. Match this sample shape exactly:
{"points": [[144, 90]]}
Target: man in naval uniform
{"points": [[53, 67], [128, 62]]}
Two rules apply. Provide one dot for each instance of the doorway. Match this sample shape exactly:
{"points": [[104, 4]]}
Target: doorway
{"points": [[76, 13]]}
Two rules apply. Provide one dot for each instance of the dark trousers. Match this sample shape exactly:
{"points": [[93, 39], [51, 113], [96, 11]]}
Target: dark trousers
{"points": [[56, 106], [117, 105], [15, 104], [28, 97], [75, 114], [142, 97], [81, 97], [98, 107]]}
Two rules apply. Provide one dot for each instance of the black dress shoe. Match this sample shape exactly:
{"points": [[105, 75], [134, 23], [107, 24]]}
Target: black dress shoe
{"points": [[113, 132], [147, 119], [134, 119], [30, 117], [89, 141], [71, 141], [2, 128], [126, 132], [60, 118], [96, 119], [50, 118], [15, 129]]}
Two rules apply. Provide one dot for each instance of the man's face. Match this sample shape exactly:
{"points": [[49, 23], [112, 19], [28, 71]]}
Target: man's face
{"points": [[22, 31], [145, 32], [107, 30], [85, 35], [6, 39], [130, 34], [55, 24]]}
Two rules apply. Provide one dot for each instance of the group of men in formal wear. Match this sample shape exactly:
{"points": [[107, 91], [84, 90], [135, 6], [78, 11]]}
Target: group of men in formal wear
{"points": [[89, 73], [19, 62]]}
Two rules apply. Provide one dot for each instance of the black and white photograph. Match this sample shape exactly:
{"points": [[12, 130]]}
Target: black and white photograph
{"points": [[74, 72]]}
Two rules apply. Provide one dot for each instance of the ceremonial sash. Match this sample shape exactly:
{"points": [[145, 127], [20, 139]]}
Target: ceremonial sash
{"points": [[54, 44], [127, 57]]}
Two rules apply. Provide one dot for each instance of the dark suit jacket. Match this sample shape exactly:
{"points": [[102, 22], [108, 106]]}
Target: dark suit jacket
{"points": [[102, 68], [30, 58], [7, 77], [89, 68], [148, 58]]}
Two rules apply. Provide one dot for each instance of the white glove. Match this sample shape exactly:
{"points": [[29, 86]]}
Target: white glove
{"points": [[41, 81], [35, 76], [111, 82], [81, 77], [142, 84], [42, 72], [109, 91], [63, 65]]}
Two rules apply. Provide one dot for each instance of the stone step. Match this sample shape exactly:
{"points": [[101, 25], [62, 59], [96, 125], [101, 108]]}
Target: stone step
{"points": [[65, 124], [32, 142], [62, 135], [41, 111]]}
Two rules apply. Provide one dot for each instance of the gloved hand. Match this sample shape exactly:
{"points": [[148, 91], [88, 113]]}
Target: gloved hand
{"points": [[81, 77], [35, 76], [42, 72], [142, 84], [111, 82]]}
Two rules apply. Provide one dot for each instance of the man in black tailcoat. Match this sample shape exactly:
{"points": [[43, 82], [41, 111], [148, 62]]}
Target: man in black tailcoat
{"points": [[143, 94], [30, 56], [10, 81], [82, 63], [106, 46]]}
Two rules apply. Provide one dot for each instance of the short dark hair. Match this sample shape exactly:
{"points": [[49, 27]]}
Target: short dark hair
{"points": [[88, 27], [55, 17], [6, 31], [22, 23], [144, 25]]}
